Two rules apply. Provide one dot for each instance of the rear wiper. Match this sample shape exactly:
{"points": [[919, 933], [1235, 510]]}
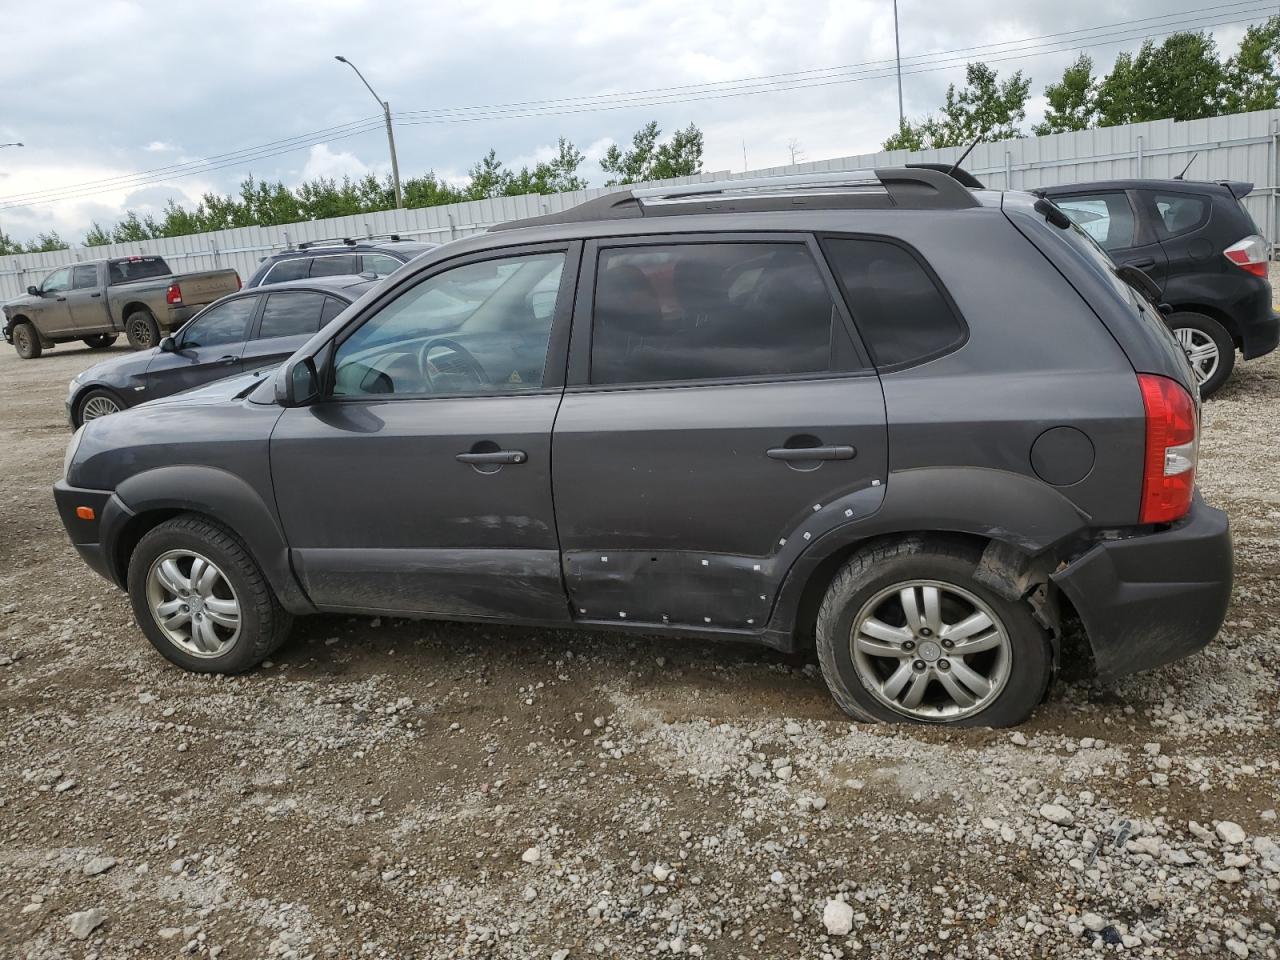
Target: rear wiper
{"points": [[1142, 283]]}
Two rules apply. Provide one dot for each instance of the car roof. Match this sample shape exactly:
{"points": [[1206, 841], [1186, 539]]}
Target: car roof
{"points": [[410, 247], [350, 286]]}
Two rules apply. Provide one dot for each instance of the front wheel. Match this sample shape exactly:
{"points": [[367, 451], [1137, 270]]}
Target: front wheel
{"points": [[1209, 349], [201, 598], [906, 633], [141, 330], [95, 404], [101, 341], [26, 341]]}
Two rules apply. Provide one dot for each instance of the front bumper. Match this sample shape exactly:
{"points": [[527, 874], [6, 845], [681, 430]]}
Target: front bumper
{"points": [[93, 539], [1151, 599]]}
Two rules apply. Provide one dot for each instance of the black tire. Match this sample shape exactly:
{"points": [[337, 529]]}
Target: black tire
{"points": [[1216, 332], [104, 397], [264, 624], [141, 329], [878, 568], [26, 341], [101, 341]]}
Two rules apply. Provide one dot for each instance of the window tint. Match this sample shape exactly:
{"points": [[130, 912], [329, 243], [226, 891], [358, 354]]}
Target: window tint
{"points": [[225, 323], [1180, 212], [899, 310], [295, 269], [85, 277], [1107, 217], [57, 282], [478, 328], [137, 268], [332, 307], [709, 311], [380, 264], [334, 266], [290, 314]]}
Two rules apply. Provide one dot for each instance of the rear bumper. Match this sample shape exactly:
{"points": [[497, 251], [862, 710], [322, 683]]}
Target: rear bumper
{"points": [[1152, 599], [1261, 336]]}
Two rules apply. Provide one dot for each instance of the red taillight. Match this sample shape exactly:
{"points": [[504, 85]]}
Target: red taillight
{"points": [[1249, 254], [173, 295], [1173, 435]]}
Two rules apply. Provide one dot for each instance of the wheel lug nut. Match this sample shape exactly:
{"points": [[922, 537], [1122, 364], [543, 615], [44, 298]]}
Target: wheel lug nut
{"points": [[919, 664], [948, 644], [909, 645], [186, 608], [944, 664], [926, 632]]}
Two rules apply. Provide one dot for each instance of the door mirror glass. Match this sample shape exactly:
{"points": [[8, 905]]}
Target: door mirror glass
{"points": [[168, 345]]}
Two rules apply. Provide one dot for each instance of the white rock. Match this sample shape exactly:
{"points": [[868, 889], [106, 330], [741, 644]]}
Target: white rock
{"points": [[532, 855], [793, 729], [559, 955], [85, 922], [1237, 948], [1018, 740], [1230, 875], [777, 878], [1231, 832], [837, 917], [1093, 922], [783, 773], [1056, 813], [99, 865], [530, 894], [661, 872]]}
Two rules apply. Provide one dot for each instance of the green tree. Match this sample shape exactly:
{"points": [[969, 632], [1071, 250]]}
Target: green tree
{"points": [[984, 108], [98, 235], [1251, 78], [132, 228], [1073, 100], [681, 156], [557, 175], [488, 179], [43, 243], [1181, 79]]}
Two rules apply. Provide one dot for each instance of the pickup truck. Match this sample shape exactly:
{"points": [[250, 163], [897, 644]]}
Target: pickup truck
{"points": [[96, 301]]}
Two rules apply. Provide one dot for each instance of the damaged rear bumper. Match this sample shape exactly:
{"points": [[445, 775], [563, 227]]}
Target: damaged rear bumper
{"points": [[1152, 599]]}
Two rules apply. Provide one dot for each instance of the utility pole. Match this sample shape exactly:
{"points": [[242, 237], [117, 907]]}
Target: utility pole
{"points": [[386, 113], [897, 52], [3, 145]]}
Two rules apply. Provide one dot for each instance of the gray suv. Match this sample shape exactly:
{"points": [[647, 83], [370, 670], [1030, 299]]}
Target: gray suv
{"points": [[921, 426]]}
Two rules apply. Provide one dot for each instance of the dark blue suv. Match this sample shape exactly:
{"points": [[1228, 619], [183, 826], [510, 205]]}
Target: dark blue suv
{"points": [[338, 257]]}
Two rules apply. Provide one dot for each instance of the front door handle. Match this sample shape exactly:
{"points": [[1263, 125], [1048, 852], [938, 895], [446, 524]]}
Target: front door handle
{"points": [[1142, 263], [95, 294], [792, 454], [227, 359], [62, 299], [494, 456]]}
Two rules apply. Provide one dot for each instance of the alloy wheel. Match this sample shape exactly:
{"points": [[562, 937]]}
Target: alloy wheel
{"points": [[98, 406], [1201, 351], [193, 603], [930, 650]]}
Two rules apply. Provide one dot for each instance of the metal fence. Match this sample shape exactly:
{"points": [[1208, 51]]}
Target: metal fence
{"points": [[1242, 146]]}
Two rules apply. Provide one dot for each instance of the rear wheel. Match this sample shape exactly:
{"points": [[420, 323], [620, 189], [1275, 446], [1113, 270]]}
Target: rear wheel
{"points": [[906, 633], [101, 341], [1208, 347], [141, 329], [202, 600], [26, 341], [95, 404]]}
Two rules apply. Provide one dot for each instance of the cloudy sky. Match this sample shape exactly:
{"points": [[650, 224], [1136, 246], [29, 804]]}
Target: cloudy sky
{"points": [[103, 90]]}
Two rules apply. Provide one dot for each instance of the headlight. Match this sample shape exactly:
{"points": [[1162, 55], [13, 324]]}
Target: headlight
{"points": [[72, 447]]}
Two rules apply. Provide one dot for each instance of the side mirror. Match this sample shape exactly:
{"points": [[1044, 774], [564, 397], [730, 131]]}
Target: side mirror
{"points": [[33, 292], [298, 383], [168, 345]]}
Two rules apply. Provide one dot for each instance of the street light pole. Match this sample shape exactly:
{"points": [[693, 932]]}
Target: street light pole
{"points": [[2, 145], [897, 51], [386, 113]]}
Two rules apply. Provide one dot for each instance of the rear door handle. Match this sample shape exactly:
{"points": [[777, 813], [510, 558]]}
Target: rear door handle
{"points": [[95, 294], [1141, 263], [792, 454], [493, 456]]}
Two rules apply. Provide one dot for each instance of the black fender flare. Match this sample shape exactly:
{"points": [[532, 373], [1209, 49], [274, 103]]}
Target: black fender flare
{"points": [[996, 505], [226, 498]]}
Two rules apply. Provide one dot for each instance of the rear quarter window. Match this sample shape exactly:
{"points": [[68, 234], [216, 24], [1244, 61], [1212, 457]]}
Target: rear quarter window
{"points": [[898, 307], [295, 269], [1180, 212]]}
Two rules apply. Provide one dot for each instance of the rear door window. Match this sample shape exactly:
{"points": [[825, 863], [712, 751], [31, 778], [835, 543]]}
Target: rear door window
{"points": [[709, 311], [84, 277], [1107, 217], [334, 266], [295, 269], [901, 312], [290, 315], [1180, 212], [332, 307], [379, 263]]}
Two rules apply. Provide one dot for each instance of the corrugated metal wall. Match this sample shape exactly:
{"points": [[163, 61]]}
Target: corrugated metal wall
{"points": [[1237, 147]]}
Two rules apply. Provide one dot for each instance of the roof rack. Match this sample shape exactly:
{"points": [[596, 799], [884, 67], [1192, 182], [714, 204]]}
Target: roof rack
{"points": [[348, 241], [892, 187]]}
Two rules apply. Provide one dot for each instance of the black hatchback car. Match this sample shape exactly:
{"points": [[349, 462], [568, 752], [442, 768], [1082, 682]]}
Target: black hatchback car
{"points": [[342, 256], [245, 331], [1203, 251]]}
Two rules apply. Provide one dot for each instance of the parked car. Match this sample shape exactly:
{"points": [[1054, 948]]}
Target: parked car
{"points": [[380, 256], [95, 302], [1203, 251], [248, 330], [784, 411]]}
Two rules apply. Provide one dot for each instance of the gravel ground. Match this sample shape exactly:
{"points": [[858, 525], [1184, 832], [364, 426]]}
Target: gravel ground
{"points": [[395, 789]]}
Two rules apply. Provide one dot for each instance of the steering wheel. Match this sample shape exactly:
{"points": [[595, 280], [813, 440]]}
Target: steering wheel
{"points": [[473, 365]]}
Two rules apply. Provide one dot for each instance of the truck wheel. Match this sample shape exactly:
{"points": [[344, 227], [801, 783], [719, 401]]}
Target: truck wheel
{"points": [[202, 600], [26, 341], [95, 404], [141, 329], [1208, 347], [101, 341], [906, 633]]}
